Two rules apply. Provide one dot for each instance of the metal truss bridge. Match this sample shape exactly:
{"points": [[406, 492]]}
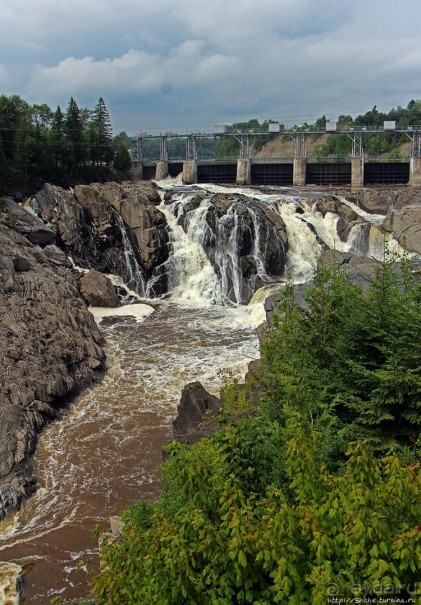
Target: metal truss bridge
{"points": [[297, 134]]}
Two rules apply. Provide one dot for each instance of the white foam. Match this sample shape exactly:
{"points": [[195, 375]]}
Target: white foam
{"points": [[9, 575], [376, 219], [139, 311]]}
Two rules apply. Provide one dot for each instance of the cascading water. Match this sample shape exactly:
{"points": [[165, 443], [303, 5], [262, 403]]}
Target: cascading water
{"points": [[134, 277], [103, 453], [191, 277], [243, 240]]}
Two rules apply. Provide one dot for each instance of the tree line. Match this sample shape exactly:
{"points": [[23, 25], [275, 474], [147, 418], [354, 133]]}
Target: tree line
{"points": [[37, 143]]}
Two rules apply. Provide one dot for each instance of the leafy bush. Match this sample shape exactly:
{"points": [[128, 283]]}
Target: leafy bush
{"points": [[355, 531]]}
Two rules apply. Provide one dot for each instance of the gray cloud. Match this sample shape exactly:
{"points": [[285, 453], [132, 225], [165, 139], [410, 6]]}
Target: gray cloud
{"points": [[193, 63]]}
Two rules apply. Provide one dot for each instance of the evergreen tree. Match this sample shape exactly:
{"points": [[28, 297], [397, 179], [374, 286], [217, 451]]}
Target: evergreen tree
{"points": [[103, 141], [74, 136], [352, 354], [58, 138]]}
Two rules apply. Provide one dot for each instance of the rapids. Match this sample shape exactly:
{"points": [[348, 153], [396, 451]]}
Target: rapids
{"points": [[105, 451]]}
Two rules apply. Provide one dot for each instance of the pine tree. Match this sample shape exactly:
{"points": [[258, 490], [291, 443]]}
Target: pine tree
{"points": [[57, 137], [104, 151], [74, 135], [353, 354]]}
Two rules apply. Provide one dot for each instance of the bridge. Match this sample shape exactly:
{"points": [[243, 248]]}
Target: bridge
{"points": [[356, 169]]}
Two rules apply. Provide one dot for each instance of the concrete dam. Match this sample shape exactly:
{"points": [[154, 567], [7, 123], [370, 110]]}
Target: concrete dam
{"points": [[356, 169]]}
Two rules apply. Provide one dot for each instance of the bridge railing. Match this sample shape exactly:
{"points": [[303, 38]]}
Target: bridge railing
{"points": [[340, 129]]}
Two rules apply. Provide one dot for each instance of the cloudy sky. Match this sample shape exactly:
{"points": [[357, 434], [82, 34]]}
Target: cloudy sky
{"points": [[187, 64]]}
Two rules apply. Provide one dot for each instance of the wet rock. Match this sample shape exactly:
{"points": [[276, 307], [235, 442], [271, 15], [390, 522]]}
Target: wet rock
{"points": [[72, 224], [56, 256], [380, 201], [113, 228], [195, 407], [149, 232], [348, 218], [98, 290], [245, 241]]}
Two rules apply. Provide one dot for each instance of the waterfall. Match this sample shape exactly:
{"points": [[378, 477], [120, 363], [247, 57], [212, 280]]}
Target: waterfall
{"points": [[191, 277], [381, 244], [224, 247], [304, 248], [134, 277], [227, 254], [226, 243]]}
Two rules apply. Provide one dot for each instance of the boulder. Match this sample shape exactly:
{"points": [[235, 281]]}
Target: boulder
{"points": [[56, 256], [404, 225], [196, 406], [98, 290]]}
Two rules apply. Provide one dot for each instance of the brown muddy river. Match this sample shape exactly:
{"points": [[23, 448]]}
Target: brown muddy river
{"points": [[104, 453]]}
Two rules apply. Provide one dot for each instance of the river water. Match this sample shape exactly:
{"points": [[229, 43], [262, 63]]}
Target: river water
{"points": [[104, 454]]}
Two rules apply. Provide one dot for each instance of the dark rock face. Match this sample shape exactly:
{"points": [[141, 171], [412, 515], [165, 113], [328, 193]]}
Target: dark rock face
{"points": [[50, 347], [98, 290], [28, 224], [113, 228], [149, 233], [195, 408]]}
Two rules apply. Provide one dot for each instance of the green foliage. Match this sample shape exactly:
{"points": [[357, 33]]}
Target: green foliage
{"points": [[228, 147], [139, 514], [103, 139], [37, 143], [292, 546], [122, 160], [353, 355]]}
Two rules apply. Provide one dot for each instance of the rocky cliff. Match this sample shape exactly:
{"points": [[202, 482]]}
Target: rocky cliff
{"points": [[50, 346], [113, 228]]}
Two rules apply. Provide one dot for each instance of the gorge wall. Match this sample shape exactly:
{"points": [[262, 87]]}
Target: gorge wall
{"points": [[50, 346]]}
